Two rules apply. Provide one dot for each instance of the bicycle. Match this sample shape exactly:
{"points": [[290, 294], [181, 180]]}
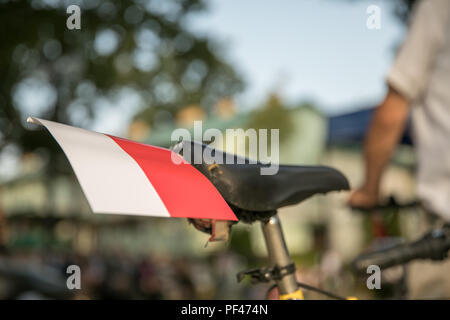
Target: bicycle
{"points": [[388, 252], [251, 196], [260, 204], [256, 198]]}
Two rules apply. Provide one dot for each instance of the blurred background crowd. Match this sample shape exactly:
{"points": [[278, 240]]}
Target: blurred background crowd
{"points": [[139, 69]]}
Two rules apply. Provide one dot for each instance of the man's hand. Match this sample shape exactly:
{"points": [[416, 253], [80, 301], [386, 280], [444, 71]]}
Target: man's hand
{"points": [[363, 199], [387, 126]]}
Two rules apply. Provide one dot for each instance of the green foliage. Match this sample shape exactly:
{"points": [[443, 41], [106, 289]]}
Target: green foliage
{"points": [[273, 115], [141, 45]]}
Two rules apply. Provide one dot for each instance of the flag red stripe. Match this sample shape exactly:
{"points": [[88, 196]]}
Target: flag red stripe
{"points": [[183, 189]]}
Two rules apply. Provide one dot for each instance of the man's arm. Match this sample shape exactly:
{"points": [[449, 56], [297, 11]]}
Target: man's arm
{"points": [[385, 131], [409, 76]]}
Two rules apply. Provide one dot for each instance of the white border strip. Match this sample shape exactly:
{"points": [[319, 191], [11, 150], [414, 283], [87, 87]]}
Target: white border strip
{"points": [[111, 179]]}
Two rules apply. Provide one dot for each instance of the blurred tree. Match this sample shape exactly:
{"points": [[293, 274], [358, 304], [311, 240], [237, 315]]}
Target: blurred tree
{"points": [[403, 9], [64, 75], [272, 115]]}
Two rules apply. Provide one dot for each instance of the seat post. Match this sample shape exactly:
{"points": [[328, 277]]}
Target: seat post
{"points": [[279, 254]]}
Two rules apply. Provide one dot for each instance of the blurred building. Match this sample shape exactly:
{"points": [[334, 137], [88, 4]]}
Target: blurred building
{"points": [[43, 213]]}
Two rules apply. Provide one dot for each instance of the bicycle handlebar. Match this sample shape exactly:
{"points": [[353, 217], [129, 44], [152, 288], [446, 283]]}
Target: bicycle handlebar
{"points": [[391, 203], [434, 245]]}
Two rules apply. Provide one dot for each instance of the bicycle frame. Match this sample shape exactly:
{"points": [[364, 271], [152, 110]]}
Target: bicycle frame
{"points": [[279, 257]]}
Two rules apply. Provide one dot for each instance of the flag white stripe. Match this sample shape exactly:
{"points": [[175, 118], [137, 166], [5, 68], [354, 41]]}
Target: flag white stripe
{"points": [[111, 179]]}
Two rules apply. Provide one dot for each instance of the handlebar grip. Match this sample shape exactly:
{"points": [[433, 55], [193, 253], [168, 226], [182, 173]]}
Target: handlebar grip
{"points": [[434, 245], [390, 203]]}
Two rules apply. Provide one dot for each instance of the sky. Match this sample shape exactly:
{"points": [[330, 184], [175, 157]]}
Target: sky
{"points": [[318, 51], [315, 50]]}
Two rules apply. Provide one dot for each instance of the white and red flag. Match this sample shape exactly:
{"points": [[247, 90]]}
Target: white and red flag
{"points": [[120, 176]]}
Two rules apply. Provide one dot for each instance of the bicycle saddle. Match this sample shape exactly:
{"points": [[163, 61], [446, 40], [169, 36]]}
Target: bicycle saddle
{"points": [[243, 187]]}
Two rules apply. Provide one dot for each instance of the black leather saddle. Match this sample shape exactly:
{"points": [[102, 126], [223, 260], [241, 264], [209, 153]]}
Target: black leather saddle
{"points": [[241, 184]]}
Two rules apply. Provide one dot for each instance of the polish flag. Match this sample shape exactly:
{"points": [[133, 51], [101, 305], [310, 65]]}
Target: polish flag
{"points": [[120, 176]]}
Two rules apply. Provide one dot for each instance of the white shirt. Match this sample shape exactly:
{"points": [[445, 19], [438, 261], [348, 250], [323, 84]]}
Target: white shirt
{"points": [[421, 72]]}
